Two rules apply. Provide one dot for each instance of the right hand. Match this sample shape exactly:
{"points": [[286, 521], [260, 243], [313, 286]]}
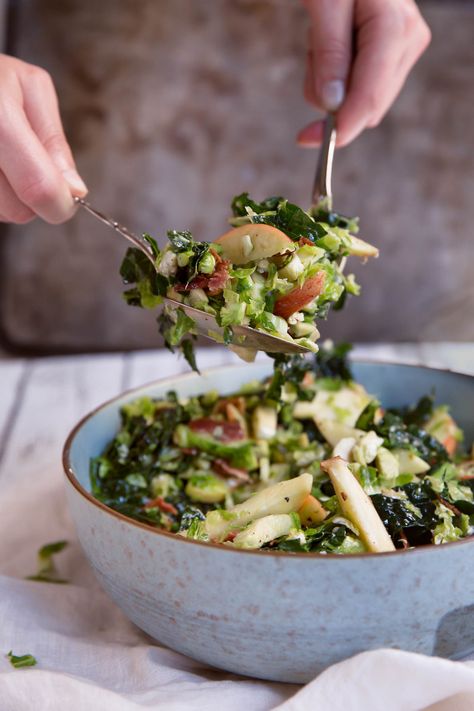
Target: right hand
{"points": [[38, 175]]}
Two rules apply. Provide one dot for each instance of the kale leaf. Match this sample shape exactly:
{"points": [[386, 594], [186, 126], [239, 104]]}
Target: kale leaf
{"points": [[397, 515], [366, 418], [289, 369], [397, 434], [240, 202], [280, 213], [332, 362], [419, 413], [334, 219]]}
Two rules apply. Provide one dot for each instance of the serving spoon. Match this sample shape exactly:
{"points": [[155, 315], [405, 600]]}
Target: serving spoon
{"points": [[206, 325]]}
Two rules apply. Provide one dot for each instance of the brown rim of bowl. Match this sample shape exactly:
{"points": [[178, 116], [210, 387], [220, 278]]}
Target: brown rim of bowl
{"points": [[219, 546]]}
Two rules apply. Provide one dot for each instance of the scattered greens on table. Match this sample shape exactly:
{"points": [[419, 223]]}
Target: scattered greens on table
{"points": [[277, 270], [25, 660], [47, 571], [305, 461]]}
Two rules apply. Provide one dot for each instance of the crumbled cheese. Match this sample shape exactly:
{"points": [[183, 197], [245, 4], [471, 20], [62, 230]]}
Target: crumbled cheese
{"points": [[294, 318], [168, 265]]}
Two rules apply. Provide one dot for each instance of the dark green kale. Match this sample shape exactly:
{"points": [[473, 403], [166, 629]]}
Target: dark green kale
{"points": [[334, 219], [419, 413], [175, 329], [399, 515], [142, 449], [190, 516], [367, 416], [280, 213], [191, 252], [240, 202], [137, 269], [332, 362], [289, 369], [325, 538], [397, 434], [329, 362]]}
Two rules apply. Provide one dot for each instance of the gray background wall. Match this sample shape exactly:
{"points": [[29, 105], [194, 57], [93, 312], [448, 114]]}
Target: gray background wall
{"points": [[172, 107]]}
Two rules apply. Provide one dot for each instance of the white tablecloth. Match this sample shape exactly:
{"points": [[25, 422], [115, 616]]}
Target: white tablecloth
{"points": [[89, 656]]}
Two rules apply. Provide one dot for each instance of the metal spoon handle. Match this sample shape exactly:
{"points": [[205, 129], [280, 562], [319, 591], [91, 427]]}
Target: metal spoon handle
{"points": [[136, 240], [322, 189]]}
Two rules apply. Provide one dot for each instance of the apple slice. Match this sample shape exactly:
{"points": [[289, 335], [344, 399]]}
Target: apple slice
{"points": [[357, 506], [252, 242], [360, 248], [300, 296]]}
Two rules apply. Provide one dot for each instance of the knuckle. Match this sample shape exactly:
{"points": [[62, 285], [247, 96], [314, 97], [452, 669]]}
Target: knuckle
{"points": [[38, 74], [53, 140], [38, 191], [333, 56]]}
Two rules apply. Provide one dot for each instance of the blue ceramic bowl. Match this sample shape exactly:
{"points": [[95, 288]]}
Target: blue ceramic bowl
{"points": [[277, 615]]}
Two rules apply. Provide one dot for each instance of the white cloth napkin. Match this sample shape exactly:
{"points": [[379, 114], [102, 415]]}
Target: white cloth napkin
{"points": [[91, 657]]}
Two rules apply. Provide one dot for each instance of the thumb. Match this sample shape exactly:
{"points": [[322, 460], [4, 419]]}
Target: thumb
{"points": [[331, 49]]}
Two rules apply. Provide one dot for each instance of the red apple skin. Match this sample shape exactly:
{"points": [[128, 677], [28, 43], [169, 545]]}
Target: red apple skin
{"points": [[300, 296]]}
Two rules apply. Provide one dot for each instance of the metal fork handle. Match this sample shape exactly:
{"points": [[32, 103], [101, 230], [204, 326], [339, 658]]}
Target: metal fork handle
{"points": [[322, 182], [137, 240]]}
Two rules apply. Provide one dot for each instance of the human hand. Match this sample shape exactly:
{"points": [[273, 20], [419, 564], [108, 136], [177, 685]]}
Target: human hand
{"points": [[37, 171], [361, 52]]}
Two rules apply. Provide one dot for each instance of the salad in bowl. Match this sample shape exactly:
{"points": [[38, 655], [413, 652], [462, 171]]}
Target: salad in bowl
{"points": [[304, 461], [278, 270]]}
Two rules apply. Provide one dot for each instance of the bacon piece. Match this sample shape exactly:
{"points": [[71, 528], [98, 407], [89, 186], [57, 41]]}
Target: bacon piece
{"points": [[449, 506], [222, 467], [230, 536], [300, 296], [223, 431], [466, 471], [450, 444], [212, 283], [216, 256], [190, 451], [403, 539], [219, 278], [199, 282], [161, 504], [305, 240]]}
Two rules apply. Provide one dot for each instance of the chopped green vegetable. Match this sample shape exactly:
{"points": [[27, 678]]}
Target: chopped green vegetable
{"points": [[246, 469], [47, 572], [19, 662], [292, 278]]}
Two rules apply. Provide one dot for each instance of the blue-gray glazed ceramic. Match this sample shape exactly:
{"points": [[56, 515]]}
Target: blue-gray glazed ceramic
{"points": [[277, 615]]}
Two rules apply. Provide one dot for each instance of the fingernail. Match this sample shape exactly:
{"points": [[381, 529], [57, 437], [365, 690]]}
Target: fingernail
{"points": [[332, 94], [75, 182]]}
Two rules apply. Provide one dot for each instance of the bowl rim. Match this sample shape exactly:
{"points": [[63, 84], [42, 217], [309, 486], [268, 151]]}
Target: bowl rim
{"points": [[71, 477]]}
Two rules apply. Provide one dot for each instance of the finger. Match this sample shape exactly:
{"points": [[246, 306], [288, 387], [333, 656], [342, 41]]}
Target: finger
{"points": [[405, 65], [383, 60], [331, 44], [11, 208], [35, 179], [42, 110], [311, 136]]}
